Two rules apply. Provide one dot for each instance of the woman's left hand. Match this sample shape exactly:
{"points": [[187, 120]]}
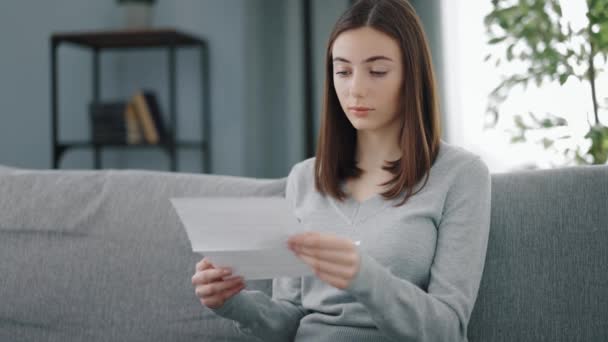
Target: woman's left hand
{"points": [[333, 259]]}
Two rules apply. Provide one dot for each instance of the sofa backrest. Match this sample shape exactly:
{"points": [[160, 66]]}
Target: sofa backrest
{"points": [[546, 270], [102, 256]]}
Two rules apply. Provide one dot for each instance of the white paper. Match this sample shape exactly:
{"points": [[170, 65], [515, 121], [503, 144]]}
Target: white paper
{"points": [[247, 234]]}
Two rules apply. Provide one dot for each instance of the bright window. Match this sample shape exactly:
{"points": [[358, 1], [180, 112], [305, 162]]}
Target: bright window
{"points": [[469, 80]]}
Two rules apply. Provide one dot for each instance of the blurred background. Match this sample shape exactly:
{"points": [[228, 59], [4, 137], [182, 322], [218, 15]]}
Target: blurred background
{"points": [[521, 81]]}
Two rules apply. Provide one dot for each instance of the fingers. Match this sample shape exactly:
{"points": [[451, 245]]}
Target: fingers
{"points": [[320, 240], [203, 265], [337, 257], [213, 286], [210, 275], [333, 259], [329, 268], [217, 288], [219, 299]]}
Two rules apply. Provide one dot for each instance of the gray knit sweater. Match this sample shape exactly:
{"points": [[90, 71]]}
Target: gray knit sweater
{"points": [[421, 263]]}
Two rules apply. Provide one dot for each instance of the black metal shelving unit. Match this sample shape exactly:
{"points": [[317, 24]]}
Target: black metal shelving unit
{"points": [[98, 41]]}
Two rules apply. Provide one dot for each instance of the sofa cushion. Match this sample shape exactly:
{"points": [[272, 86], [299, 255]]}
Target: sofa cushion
{"points": [[102, 256], [546, 275]]}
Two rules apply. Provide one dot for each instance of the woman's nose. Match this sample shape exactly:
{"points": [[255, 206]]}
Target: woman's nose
{"points": [[358, 86]]}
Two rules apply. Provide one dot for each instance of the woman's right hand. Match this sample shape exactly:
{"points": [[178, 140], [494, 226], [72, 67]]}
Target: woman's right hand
{"points": [[210, 287]]}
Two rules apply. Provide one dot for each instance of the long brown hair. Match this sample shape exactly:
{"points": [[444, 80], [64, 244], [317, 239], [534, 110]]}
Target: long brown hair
{"points": [[418, 105]]}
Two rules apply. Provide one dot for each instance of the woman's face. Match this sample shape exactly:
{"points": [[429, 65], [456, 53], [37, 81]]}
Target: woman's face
{"points": [[367, 74]]}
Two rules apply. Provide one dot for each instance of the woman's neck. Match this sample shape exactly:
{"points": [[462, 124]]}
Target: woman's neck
{"points": [[373, 150]]}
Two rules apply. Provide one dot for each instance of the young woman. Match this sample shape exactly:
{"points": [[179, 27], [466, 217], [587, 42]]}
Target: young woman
{"points": [[382, 176]]}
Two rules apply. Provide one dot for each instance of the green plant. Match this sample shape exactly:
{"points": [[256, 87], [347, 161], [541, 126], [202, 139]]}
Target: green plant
{"points": [[534, 34]]}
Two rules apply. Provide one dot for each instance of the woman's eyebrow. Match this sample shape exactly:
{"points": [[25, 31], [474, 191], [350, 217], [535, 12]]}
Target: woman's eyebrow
{"points": [[370, 59]]}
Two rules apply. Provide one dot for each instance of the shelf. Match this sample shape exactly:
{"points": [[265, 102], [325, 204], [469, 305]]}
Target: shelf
{"points": [[127, 38], [168, 38]]}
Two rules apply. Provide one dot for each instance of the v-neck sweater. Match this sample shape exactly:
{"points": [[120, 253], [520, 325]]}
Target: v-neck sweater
{"points": [[420, 263]]}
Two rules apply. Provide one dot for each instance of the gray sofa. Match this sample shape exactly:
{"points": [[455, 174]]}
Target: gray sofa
{"points": [[101, 256]]}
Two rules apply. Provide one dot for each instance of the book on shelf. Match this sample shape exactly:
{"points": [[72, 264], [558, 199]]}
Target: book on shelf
{"points": [[136, 121], [150, 117], [108, 125], [157, 115], [114, 122], [134, 134]]}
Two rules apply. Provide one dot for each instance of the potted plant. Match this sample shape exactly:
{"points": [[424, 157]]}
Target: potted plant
{"points": [[138, 13], [534, 34]]}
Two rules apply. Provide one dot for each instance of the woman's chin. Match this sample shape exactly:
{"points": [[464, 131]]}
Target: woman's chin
{"points": [[360, 123], [362, 126]]}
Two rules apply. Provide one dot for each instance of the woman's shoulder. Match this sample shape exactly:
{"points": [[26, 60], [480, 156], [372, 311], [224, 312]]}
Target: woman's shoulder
{"points": [[302, 168], [300, 180], [302, 172], [453, 164], [452, 158]]}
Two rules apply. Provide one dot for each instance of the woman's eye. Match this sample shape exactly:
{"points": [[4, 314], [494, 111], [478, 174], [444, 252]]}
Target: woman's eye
{"points": [[378, 73], [373, 73]]}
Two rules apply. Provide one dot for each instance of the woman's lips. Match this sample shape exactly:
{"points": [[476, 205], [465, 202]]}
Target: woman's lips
{"points": [[360, 111]]}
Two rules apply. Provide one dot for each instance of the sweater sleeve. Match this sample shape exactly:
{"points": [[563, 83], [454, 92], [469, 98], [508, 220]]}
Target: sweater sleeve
{"points": [[273, 318], [405, 312], [270, 319]]}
